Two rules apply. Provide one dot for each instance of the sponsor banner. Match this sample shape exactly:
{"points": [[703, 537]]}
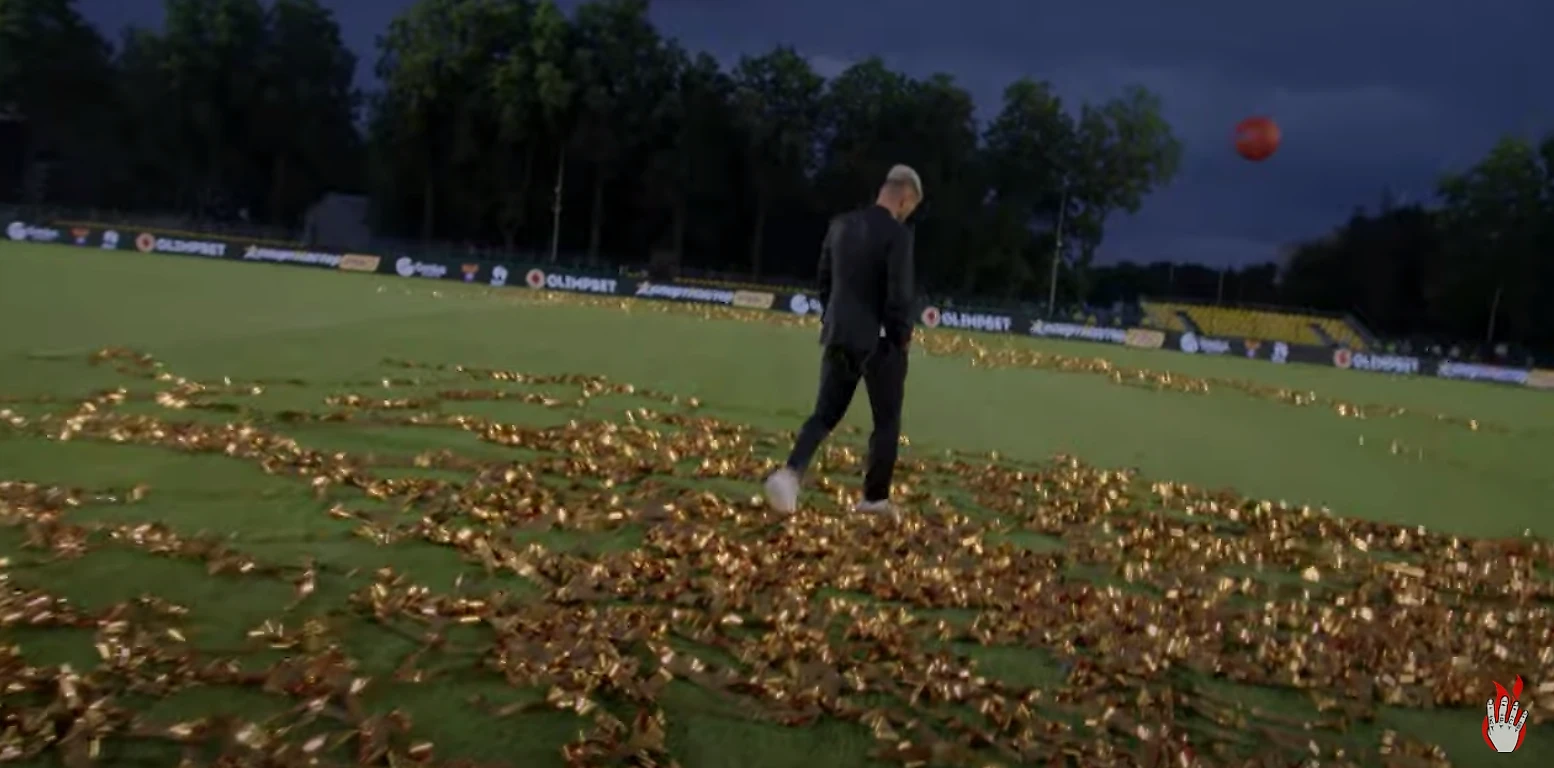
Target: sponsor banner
{"points": [[1144, 338], [1362, 361], [146, 242], [21, 231], [1193, 344], [356, 262], [1310, 355], [975, 321], [89, 236], [561, 281], [933, 317], [1102, 334], [286, 256], [405, 266], [1480, 372], [1251, 349], [754, 299], [694, 294], [213, 246], [803, 304]]}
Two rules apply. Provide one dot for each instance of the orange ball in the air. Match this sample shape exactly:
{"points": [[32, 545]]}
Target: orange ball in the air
{"points": [[1257, 138]]}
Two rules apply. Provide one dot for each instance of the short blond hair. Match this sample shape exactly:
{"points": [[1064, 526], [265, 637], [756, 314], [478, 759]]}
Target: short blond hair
{"points": [[904, 176]]}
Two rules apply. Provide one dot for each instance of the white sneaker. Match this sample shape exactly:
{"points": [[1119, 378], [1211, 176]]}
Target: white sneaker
{"points": [[782, 490], [877, 507]]}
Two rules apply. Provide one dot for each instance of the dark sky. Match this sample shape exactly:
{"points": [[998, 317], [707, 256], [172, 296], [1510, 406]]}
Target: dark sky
{"points": [[1371, 94]]}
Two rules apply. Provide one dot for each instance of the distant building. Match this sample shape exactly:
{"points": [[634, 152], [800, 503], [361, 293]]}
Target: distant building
{"points": [[338, 221]]}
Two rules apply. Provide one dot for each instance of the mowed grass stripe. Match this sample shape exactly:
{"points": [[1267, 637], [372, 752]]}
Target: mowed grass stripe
{"points": [[215, 319]]}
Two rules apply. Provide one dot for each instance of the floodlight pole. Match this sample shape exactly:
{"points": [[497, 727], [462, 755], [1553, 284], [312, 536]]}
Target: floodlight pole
{"points": [[555, 206], [1494, 301], [1057, 255]]}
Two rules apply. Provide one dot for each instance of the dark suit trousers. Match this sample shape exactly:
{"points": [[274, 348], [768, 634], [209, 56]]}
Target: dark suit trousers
{"points": [[884, 375]]}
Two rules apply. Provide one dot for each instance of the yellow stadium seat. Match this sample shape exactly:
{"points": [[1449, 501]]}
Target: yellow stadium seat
{"points": [[1342, 332], [1163, 316], [1271, 325]]}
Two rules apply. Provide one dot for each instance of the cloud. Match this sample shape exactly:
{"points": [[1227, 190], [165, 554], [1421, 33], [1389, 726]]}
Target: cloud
{"points": [[1343, 145], [1204, 104], [1373, 94], [1208, 249], [828, 66]]}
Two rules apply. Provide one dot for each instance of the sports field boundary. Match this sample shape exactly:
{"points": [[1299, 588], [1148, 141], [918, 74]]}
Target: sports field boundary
{"points": [[798, 302]]}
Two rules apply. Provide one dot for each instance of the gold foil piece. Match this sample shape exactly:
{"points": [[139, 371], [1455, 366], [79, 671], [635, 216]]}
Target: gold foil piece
{"points": [[1157, 588]]}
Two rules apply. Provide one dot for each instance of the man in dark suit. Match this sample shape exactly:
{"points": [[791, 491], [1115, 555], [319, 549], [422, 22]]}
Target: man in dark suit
{"points": [[866, 288]]}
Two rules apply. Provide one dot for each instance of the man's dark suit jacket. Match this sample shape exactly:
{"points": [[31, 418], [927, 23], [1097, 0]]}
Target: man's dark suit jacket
{"points": [[865, 281]]}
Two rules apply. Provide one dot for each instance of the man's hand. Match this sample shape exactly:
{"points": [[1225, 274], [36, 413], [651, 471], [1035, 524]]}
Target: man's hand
{"points": [[1505, 728]]}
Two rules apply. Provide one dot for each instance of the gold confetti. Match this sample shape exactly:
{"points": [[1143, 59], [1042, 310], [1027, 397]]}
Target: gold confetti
{"points": [[788, 619]]}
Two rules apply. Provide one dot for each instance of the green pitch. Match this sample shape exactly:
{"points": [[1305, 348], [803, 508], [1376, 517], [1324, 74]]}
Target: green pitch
{"points": [[281, 347]]}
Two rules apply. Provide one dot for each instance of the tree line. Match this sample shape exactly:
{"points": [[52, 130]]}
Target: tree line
{"points": [[510, 125]]}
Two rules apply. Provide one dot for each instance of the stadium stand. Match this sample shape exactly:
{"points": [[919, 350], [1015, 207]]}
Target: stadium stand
{"points": [[1236, 322], [1273, 325], [1163, 317]]}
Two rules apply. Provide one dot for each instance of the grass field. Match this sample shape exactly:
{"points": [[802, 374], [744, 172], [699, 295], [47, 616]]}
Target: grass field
{"points": [[305, 515]]}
